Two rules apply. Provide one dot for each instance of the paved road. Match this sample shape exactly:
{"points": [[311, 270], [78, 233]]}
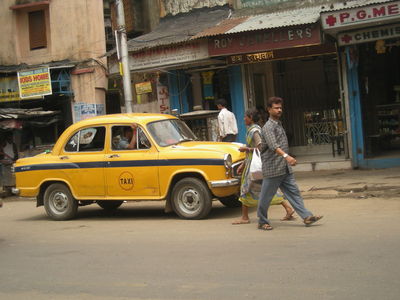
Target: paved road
{"points": [[139, 252]]}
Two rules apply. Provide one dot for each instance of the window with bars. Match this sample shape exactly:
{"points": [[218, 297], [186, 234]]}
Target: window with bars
{"points": [[37, 30]]}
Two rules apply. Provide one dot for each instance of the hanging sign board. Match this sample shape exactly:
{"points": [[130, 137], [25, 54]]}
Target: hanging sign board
{"points": [[369, 35], [33, 83], [143, 87], [366, 15], [279, 38], [280, 54]]}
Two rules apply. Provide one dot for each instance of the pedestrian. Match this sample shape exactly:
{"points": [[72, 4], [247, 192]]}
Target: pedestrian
{"points": [[250, 189], [277, 169], [227, 125], [8, 155]]}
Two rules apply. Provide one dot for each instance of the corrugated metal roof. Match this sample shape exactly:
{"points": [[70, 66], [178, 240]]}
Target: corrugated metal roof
{"points": [[350, 4], [221, 28], [285, 18], [180, 28], [301, 16]]}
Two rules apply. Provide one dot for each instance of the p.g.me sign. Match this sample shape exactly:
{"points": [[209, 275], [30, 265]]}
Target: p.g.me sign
{"points": [[348, 18], [304, 35]]}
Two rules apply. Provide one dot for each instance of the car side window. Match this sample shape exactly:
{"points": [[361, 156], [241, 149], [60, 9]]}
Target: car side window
{"points": [[129, 138], [87, 140]]}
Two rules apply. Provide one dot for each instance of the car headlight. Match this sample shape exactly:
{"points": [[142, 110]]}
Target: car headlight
{"points": [[228, 163]]}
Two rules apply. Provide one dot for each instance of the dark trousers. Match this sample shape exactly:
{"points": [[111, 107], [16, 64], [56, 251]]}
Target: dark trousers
{"points": [[229, 138]]}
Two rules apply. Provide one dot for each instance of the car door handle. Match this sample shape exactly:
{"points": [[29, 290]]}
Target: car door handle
{"points": [[64, 157], [113, 155]]}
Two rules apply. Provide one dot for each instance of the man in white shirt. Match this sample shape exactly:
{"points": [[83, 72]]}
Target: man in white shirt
{"points": [[227, 125]]}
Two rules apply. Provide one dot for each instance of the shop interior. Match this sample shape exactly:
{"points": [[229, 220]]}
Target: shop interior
{"points": [[379, 81], [312, 110]]}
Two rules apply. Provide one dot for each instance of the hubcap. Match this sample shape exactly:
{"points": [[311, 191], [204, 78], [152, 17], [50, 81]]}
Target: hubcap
{"points": [[189, 200], [59, 202]]}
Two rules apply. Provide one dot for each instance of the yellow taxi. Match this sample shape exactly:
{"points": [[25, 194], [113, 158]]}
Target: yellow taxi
{"points": [[126, 157]]}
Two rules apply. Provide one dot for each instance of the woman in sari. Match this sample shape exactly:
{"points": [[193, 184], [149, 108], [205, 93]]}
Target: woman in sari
{"points": [[250, 189]]}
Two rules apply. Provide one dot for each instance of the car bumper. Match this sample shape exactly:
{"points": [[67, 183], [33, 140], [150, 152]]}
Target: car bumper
{"points": [[224, 183]]}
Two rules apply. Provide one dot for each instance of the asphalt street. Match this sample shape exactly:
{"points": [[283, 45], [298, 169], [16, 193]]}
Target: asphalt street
{"points": [[138, 252]]}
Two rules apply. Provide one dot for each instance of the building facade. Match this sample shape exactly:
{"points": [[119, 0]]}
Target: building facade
{"points": [[64, 39]]}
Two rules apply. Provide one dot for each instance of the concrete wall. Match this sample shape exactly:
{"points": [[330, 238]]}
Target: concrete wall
{"points": [[75, 32]]}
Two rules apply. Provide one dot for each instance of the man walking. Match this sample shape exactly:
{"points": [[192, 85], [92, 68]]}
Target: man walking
{"points": [[277, 168], [227, 125]]}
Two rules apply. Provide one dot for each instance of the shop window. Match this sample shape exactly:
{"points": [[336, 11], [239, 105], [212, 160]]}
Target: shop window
{"points": [[61, 82], [37, 30]]}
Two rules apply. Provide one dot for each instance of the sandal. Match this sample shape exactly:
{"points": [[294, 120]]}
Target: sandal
{"points": [[241, 221], [289, 217], [265, 227], [312, 219]]}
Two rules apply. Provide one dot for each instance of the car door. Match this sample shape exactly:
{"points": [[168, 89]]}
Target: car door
{"points": [[83, 156], [131, 173]]}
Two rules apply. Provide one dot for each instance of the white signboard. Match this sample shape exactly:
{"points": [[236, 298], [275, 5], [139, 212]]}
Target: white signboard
{"points": [[369, 35], [163, 98], [169, 55], [347, 18]]}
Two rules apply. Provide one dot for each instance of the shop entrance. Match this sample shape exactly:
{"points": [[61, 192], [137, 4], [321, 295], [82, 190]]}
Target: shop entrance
{"points": [[379, 81]]}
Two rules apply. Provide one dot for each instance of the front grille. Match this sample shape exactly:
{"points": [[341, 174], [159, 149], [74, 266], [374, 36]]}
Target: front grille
{"points": [[235, 166]]}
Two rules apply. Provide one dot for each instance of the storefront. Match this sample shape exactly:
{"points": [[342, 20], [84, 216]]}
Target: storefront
{"points": [[296, 63], [369, 41]]}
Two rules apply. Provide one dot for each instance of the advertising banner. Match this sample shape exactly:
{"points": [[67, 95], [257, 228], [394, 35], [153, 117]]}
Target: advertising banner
{"points": [[33, 83]]}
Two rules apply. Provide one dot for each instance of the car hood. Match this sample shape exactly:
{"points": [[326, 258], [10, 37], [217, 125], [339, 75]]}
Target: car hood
{"points": [[221, 147]]}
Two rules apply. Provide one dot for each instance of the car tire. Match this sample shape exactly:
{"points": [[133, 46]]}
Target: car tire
{"points": [[109, 205], [230, 201], [59, 203], [191, 198]]}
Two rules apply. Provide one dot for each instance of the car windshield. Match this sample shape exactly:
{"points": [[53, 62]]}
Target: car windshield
{"points": [[170, 132]]}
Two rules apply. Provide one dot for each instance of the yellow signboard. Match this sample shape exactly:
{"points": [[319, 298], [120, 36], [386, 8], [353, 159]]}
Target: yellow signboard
{"points": [[34, 83], [143, 87], [9, 89]]}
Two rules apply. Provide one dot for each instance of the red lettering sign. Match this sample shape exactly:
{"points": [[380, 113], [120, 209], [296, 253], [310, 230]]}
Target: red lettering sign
{"points": [[265, 40]]}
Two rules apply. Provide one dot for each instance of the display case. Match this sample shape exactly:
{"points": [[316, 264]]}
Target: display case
{"points": [[389, 125]]}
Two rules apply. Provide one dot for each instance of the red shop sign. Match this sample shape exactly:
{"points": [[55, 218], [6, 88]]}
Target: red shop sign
{"points": [[279, 38]]}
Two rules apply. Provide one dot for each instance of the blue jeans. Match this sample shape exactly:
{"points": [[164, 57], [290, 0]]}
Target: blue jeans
{"points": [[289, 188]]}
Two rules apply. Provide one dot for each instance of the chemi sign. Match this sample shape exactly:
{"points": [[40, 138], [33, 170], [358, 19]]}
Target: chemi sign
{"points": [[279, 38], [361, 15], [369, 35]]}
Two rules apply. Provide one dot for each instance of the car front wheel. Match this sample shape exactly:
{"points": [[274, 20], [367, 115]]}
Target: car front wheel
{"points": [[59, 203], [191, 198]]}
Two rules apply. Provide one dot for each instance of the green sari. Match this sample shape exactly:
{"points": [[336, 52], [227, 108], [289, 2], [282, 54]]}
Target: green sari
{"points": [[250, 189]]}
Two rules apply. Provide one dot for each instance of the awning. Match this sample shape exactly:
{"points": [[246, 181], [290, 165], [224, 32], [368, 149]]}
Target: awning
{"points": [[286, 18], [180, 28], [30, 4]]}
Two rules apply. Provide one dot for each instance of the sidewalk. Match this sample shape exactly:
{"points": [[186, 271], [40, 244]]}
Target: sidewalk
{"points": [[350, 183]]}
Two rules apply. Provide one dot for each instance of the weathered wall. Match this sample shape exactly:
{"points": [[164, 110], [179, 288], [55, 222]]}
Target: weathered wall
{"points": [[7, 45], [75, 32], [174, 7]]}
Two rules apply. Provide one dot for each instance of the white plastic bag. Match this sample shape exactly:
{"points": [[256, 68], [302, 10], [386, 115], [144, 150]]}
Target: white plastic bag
{"points": [[256, 166]]}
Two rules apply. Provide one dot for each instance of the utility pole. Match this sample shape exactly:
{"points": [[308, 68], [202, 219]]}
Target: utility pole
{"points": [[126, 75]]}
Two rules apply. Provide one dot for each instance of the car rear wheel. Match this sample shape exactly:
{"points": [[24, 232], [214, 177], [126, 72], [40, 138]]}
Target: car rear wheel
{"points": [[109, 205], [59, 203], [191, 198], [230, 201]]}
